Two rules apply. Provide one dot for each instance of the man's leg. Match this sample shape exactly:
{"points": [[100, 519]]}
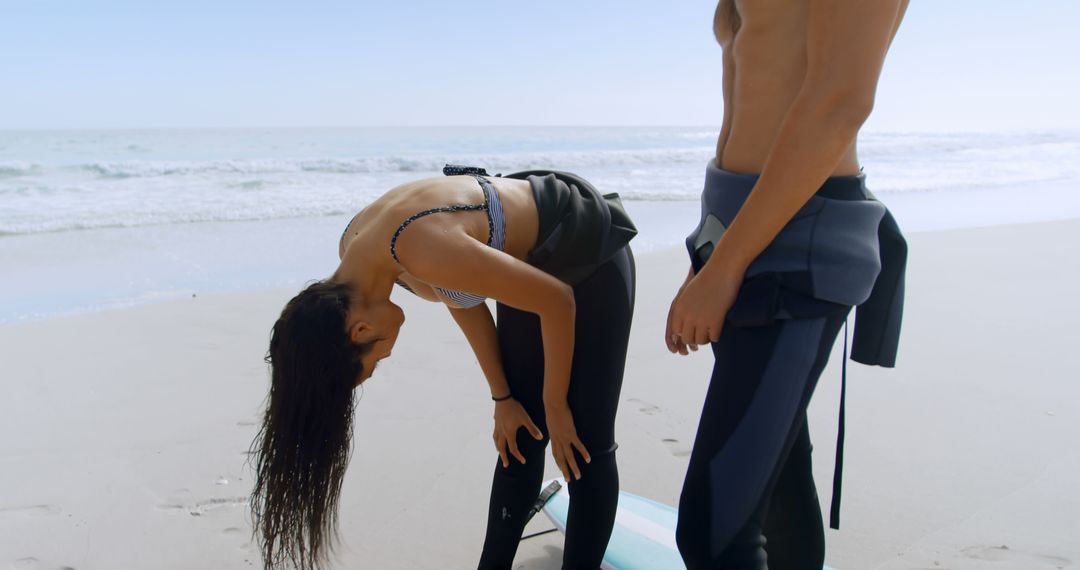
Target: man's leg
{"points": [[762, 381]]}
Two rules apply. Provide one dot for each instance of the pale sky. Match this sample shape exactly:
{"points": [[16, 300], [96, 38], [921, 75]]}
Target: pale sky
{"points": [[956, 64]]}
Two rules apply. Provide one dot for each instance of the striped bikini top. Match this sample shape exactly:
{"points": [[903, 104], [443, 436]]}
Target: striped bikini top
{"points": [[496, 238]]}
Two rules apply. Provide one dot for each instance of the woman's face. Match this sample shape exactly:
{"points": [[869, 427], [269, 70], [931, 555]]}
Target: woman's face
{"points": [[377, 326]]}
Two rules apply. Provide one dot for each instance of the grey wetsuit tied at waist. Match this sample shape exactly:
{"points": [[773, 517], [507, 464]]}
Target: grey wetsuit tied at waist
{"points": [[842, 247]]}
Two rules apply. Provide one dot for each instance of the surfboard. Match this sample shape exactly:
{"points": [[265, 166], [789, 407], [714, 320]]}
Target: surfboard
{"points": [[644, 533]]}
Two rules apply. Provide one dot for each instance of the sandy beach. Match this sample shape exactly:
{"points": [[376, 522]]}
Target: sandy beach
{"points": [[124, 432]]}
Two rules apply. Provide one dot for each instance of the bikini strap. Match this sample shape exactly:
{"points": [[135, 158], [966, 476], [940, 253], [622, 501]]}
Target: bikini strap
{"points": [[485, 185], [459, 170]]}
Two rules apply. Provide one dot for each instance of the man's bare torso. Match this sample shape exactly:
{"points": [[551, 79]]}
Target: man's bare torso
{"points": [[764, 43]]}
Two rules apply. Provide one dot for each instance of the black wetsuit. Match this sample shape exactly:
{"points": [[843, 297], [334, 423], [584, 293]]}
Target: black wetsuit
{"points": [[605, 304], [582, 239]]}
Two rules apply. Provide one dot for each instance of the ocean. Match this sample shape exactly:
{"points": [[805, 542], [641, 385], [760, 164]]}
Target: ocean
{"points": [[96, 219]]}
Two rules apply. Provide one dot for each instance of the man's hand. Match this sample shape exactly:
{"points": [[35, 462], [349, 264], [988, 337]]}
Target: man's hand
{"points": [[674, 343], [697, 314]]}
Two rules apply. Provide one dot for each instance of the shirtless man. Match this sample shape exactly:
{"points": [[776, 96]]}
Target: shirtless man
{"points": [[798, 83]]}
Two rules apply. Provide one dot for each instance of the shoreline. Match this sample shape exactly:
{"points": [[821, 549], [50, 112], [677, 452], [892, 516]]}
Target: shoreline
{"points": [[120, 267]]}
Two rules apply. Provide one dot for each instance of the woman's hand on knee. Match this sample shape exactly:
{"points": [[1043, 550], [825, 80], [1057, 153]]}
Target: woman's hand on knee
{"points": [[564, 440], [510, 417]]}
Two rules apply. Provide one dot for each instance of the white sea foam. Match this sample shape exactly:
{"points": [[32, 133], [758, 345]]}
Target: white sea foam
{"points": [[387, 164], [17, 168], [71, 181]]}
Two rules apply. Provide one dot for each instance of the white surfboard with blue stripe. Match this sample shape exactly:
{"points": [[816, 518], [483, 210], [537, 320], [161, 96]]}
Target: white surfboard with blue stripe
{"points": [[643, 537]]}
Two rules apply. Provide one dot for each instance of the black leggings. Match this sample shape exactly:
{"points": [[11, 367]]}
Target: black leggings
{"points": [[750, 476], [605, 305]]}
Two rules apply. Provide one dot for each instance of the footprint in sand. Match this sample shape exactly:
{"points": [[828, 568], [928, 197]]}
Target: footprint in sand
{"points": [[31, 563], [233, 532], [31, 510], [203, 507], [1005, 554], [646, 408], [675, 447]]}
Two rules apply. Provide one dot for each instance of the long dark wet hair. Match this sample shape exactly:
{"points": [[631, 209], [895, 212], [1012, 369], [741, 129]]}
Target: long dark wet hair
{"points": [[302, 449]]}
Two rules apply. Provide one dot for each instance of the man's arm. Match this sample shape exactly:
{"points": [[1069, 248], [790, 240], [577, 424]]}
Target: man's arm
{"points": [[846, 45]]}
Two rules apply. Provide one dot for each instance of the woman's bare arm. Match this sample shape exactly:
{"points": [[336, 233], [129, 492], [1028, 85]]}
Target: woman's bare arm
{"points": [[510, 415], [464, 264], [453, 260], [479, 328]]}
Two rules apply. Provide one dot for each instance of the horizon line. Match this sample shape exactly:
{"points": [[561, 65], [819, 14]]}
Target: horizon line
{"points": [[1010, 130]]}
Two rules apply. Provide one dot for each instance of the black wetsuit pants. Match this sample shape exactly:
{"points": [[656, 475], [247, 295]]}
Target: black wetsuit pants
{"points": [[749, 500], [605, 305]]}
